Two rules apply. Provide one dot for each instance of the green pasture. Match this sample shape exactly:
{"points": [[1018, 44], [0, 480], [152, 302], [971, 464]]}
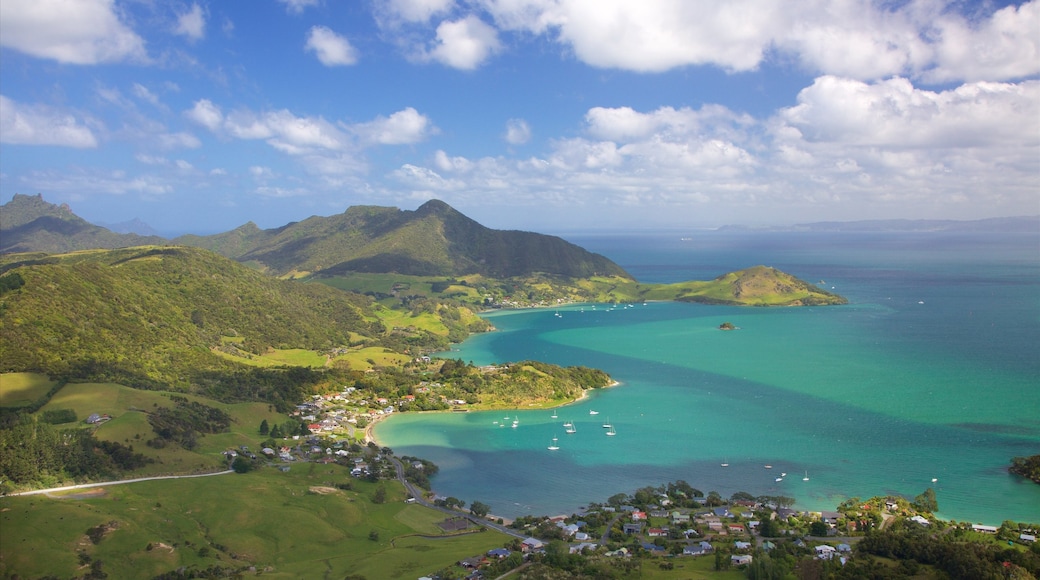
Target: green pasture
{"points": [[23, 389], [292, 525], [128, 408], [373, 356]]}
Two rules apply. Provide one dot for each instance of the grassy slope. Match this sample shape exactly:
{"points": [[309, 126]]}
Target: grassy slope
{"points": [[22, 389], [266, 518]]}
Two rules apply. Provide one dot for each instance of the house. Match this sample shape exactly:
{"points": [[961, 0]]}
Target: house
{"points": [[921, 520], [740, 559], [715, 525], [829, 517], [498, 553], [581, 536], [652, 547], [659, 514], [657, 532], [824, 552], [785, 513], [735, 528], [638, 516], [699, 549], [632, 528], [844, 548], [531, 544], [767, 545], [742, 545], [1027, 537], [722, 512], [984, 529], [678, 518]]}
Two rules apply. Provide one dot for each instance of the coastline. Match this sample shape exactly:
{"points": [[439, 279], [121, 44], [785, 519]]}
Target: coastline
{"points": [[370, 436]]}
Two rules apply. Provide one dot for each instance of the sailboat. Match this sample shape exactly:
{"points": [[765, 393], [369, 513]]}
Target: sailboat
{"points": [[570, 428], [552, 445], [806, 478], [607, 425], [725, 463], [554, 414], [516, 422], [611, 432]]}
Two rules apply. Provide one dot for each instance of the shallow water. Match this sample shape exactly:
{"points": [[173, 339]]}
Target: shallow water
{"points": [[931, 371]]}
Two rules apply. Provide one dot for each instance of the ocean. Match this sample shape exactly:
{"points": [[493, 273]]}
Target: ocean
{"points": [[929, 377]]}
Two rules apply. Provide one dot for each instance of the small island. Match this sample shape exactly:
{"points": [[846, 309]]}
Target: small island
{"points": [[727, 326], [1028, 467]]}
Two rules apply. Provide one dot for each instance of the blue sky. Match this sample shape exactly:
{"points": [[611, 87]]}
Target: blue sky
{"points": [[542, 115]]}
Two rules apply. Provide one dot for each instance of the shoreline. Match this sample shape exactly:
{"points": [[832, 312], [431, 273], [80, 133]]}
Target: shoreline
{"points": [[370, 436]]}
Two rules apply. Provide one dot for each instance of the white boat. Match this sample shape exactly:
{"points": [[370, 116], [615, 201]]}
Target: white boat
{"points": [[554, 414], [607, 425], [591, 412], [568, 424], [552, 445], [806, 478], [725, 463], [779, 479], [611, 432], [516, 423], [571, 430]]}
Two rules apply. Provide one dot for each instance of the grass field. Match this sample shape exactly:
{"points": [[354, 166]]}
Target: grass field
{"points": [[273, 520], [129, 425], [22, 389]]}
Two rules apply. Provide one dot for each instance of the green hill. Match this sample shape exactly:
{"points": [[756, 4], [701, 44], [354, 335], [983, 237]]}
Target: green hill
{"points": [[433, 240], [30, 224], [156, 316]]}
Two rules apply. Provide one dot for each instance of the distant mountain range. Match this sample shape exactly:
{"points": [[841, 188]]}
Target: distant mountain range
{"points": [[433, 240], [30, 224], [1021, 224]]}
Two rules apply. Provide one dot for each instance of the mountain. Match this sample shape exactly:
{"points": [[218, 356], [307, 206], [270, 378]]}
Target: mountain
{"points": [[433, 240], [30, 224]]}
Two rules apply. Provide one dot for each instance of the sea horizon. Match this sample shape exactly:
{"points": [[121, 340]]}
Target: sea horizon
{"points": [[928, 374]]}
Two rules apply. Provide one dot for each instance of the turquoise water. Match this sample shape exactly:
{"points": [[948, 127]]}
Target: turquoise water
{"points": [[932, 371]]}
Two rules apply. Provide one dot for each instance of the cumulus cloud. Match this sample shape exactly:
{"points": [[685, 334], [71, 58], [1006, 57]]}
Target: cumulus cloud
{"points": [[401, 128], [896, 115], [861, 39], [464, 44], [517, 132], [298, 6], [85, 32], [207, 114], [191, 24], [40, 125], [141, 92], [331, 48]]}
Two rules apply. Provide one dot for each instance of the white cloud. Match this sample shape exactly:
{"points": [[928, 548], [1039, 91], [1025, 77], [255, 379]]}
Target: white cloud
{"points": [[298, 6], [41, 125], [417, 10], [404, 127], [896, 115], [331, 48], [207, 114], [1006, 46], [192, 24], [183, 165], [517, 132], [142, 92], [863, 39], [464, 44], [79, 184], [83, 32]]}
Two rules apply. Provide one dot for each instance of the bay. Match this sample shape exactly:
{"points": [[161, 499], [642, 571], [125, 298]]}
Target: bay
{"points": [[931, 372]]}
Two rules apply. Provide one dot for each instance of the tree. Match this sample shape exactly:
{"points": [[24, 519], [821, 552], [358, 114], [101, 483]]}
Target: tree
{"points": [[380, 495], [242, 465], [818, 528], [714, 499], [926, 502], [276, 432], [264, 428], [741, 496], [479, 509]]}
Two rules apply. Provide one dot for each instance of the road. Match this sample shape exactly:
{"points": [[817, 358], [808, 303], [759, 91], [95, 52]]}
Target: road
{"points": [[118, 482]]}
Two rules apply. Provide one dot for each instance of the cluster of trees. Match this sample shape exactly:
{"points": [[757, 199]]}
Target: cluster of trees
{"points": [[1026, 467], [908, 541], [185, 422], [36, 453]]}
